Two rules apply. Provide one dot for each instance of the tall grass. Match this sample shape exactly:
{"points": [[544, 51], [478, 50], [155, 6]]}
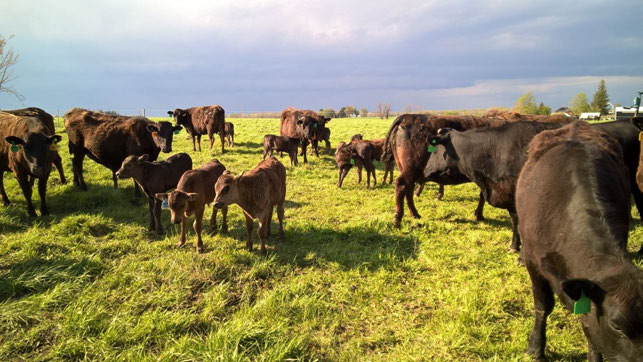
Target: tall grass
{"points": [[90, 281]]}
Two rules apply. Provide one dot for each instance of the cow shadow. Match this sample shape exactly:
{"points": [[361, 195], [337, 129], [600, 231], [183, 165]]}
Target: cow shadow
{"points": [[248, 144], [506, 223]]}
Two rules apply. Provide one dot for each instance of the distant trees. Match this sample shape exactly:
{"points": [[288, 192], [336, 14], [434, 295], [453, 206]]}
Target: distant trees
{"points": [[579, 104], [412, 108], [7, 60], [347, 111], [526, 104], [383, 110], [328, 112], [601, 99], [543, 109], [363, 112]]}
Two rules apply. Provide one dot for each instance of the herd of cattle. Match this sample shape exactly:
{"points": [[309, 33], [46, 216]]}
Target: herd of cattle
{"points": [[567, 186]]}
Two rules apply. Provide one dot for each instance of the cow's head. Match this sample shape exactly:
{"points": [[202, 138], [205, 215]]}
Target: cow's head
{"points": [[443, 159], [226, 189], [181, 116], [615, 322], [163, 132], [132, 167], [306, 127], [38, 149], [357, 137], [178, 202]]}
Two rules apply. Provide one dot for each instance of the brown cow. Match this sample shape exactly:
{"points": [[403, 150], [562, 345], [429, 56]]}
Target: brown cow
{"points": [[273, 143], [48, 120], [202, 120], [407, 143], [229, 133], [194, 190], [28, 151], [300, 124], [362, 156], [155, 177], [257, 193], [108, 140], [573, 201]]}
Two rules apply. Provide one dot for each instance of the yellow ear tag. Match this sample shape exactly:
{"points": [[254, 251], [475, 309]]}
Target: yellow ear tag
{"points": [[53, 147], [640, 136]]}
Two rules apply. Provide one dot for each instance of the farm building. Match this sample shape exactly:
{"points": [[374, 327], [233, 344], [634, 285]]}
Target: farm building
{"points": [[626, 112], [590, 115]]}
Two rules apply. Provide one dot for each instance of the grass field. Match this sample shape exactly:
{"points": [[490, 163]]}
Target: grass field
{"points": [[90, 282]]}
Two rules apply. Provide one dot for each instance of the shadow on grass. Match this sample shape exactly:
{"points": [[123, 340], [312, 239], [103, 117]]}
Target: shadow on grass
{"points": [[553, 356]]}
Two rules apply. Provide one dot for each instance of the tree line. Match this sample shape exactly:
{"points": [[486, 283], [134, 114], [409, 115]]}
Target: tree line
{"points": [[526, 104]]}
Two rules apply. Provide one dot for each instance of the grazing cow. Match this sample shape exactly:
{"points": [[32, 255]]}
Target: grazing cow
{"points": [[300, 124], [229, 133], [48, 120], [155, 177], [194, 190], [202, 120], [273, 143], [407, 144], [257, 193], [359, 153], [28, 150], [573, 201], [108, 140]]}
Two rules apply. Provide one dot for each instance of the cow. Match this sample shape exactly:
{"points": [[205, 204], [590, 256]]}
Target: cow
{"points": [[638, 123], [357, 137], [109, 139], [229, 133], [155, 177], [359, 153], [407, 144], [300, 124], [492, 158], [273, 143], [198, 121], [572, 198], [28, 150], [257, 193], [194, 190], [322, 134], [512, 116], [48, 120]]}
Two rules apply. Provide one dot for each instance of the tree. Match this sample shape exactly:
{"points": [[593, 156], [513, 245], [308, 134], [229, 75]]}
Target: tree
{"points": [[526, 104], [341, 113], [7, 59], [543, 109], [601, 99], [579, 104], [383, 110], [412, 108], [328, 113], [363, 112]]}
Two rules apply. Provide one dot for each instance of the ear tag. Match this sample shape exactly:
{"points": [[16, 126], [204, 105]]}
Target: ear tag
{"points": [[352, 161], [301, 142], [583, 305], [640, 136], [177, 131], [165, 204], [314, 125], [53, 147], [432, 148], [14, 148]]}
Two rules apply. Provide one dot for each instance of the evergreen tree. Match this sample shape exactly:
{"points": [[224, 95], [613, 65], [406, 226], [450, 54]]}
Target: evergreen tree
{"points": [[601, 98], [543, 109]]}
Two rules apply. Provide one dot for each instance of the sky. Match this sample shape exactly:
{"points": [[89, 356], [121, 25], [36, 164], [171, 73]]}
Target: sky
{"points": [[270, 54]]}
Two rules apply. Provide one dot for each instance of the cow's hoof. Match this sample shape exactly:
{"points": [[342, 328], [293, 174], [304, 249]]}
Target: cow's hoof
{"points": [[44, 212], [6, 202], [480, 218], [224, 229], [263, 251], [180, 244], [63, 181], [199, 250], [438, 197], [396, 222]]}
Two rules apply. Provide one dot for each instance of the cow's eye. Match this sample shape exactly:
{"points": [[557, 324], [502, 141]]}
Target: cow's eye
{"points": [[225, 189]]}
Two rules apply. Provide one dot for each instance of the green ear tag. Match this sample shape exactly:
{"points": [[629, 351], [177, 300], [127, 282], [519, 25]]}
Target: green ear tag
{"points": [[583, 305], [177, 131], [432, 149], [14, 148], [314, 125], [352, 161]]}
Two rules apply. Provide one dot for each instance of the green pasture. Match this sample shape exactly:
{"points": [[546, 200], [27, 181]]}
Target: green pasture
{"points": [[90, 282]]}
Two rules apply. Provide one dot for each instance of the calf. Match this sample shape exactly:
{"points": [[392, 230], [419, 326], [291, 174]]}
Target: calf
{"points": [[194, 190], [257, 193], [273, 143], [573, 201], [155, 177], [229, 133], [202, 120], [359, 153], [28, 151]]}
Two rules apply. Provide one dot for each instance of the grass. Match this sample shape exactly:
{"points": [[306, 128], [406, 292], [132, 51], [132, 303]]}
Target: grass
{"points": [[90, 282]]}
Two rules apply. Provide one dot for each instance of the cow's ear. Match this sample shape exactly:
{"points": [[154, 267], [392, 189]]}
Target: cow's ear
{"points": [[177, 128], [327, 120], [192, 196], [54, 139], [438, 140], [15, 140], [152, 128], [576, 288], [161, 196], [144, 158]]}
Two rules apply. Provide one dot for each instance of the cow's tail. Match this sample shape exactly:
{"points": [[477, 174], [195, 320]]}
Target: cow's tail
{"points": [[389, 143]]}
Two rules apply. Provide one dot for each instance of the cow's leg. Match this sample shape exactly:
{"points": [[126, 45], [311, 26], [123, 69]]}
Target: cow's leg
{"points": [[515, 240], [157, 216], [328, 150], [400, 191], [440, 193], [42, 192], [304, 144], [115, 180], [23, 181], [249, 227], [480, 208], [222, 143], [390, 180], [224, 225], [213, 220], [593, 354], [264, 222], [636, 193], [294, 156], [150, 206], [543, 305], [194, 144], [410, 202], [58, 162], [418, 192], [265, 153], [211, 137], [198, 141], [137, 189], [280, 217], [198, 227], [77, 167], [316, 147], [359, 174], [184, 223], [232, 143], [5, 198]]}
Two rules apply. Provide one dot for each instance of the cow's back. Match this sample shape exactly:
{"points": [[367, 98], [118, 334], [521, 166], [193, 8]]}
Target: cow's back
{"points": [[207, 116], [46, 118], [270, 176], [202, 180]]}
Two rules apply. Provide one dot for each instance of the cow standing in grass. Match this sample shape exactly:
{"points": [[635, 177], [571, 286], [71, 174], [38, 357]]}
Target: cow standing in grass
{"points": [[257, 193], [229, 133], [300, 124], [28, 149], [273, 143], [155, 177], [573, 200], [109, 139], [198, 121]]}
